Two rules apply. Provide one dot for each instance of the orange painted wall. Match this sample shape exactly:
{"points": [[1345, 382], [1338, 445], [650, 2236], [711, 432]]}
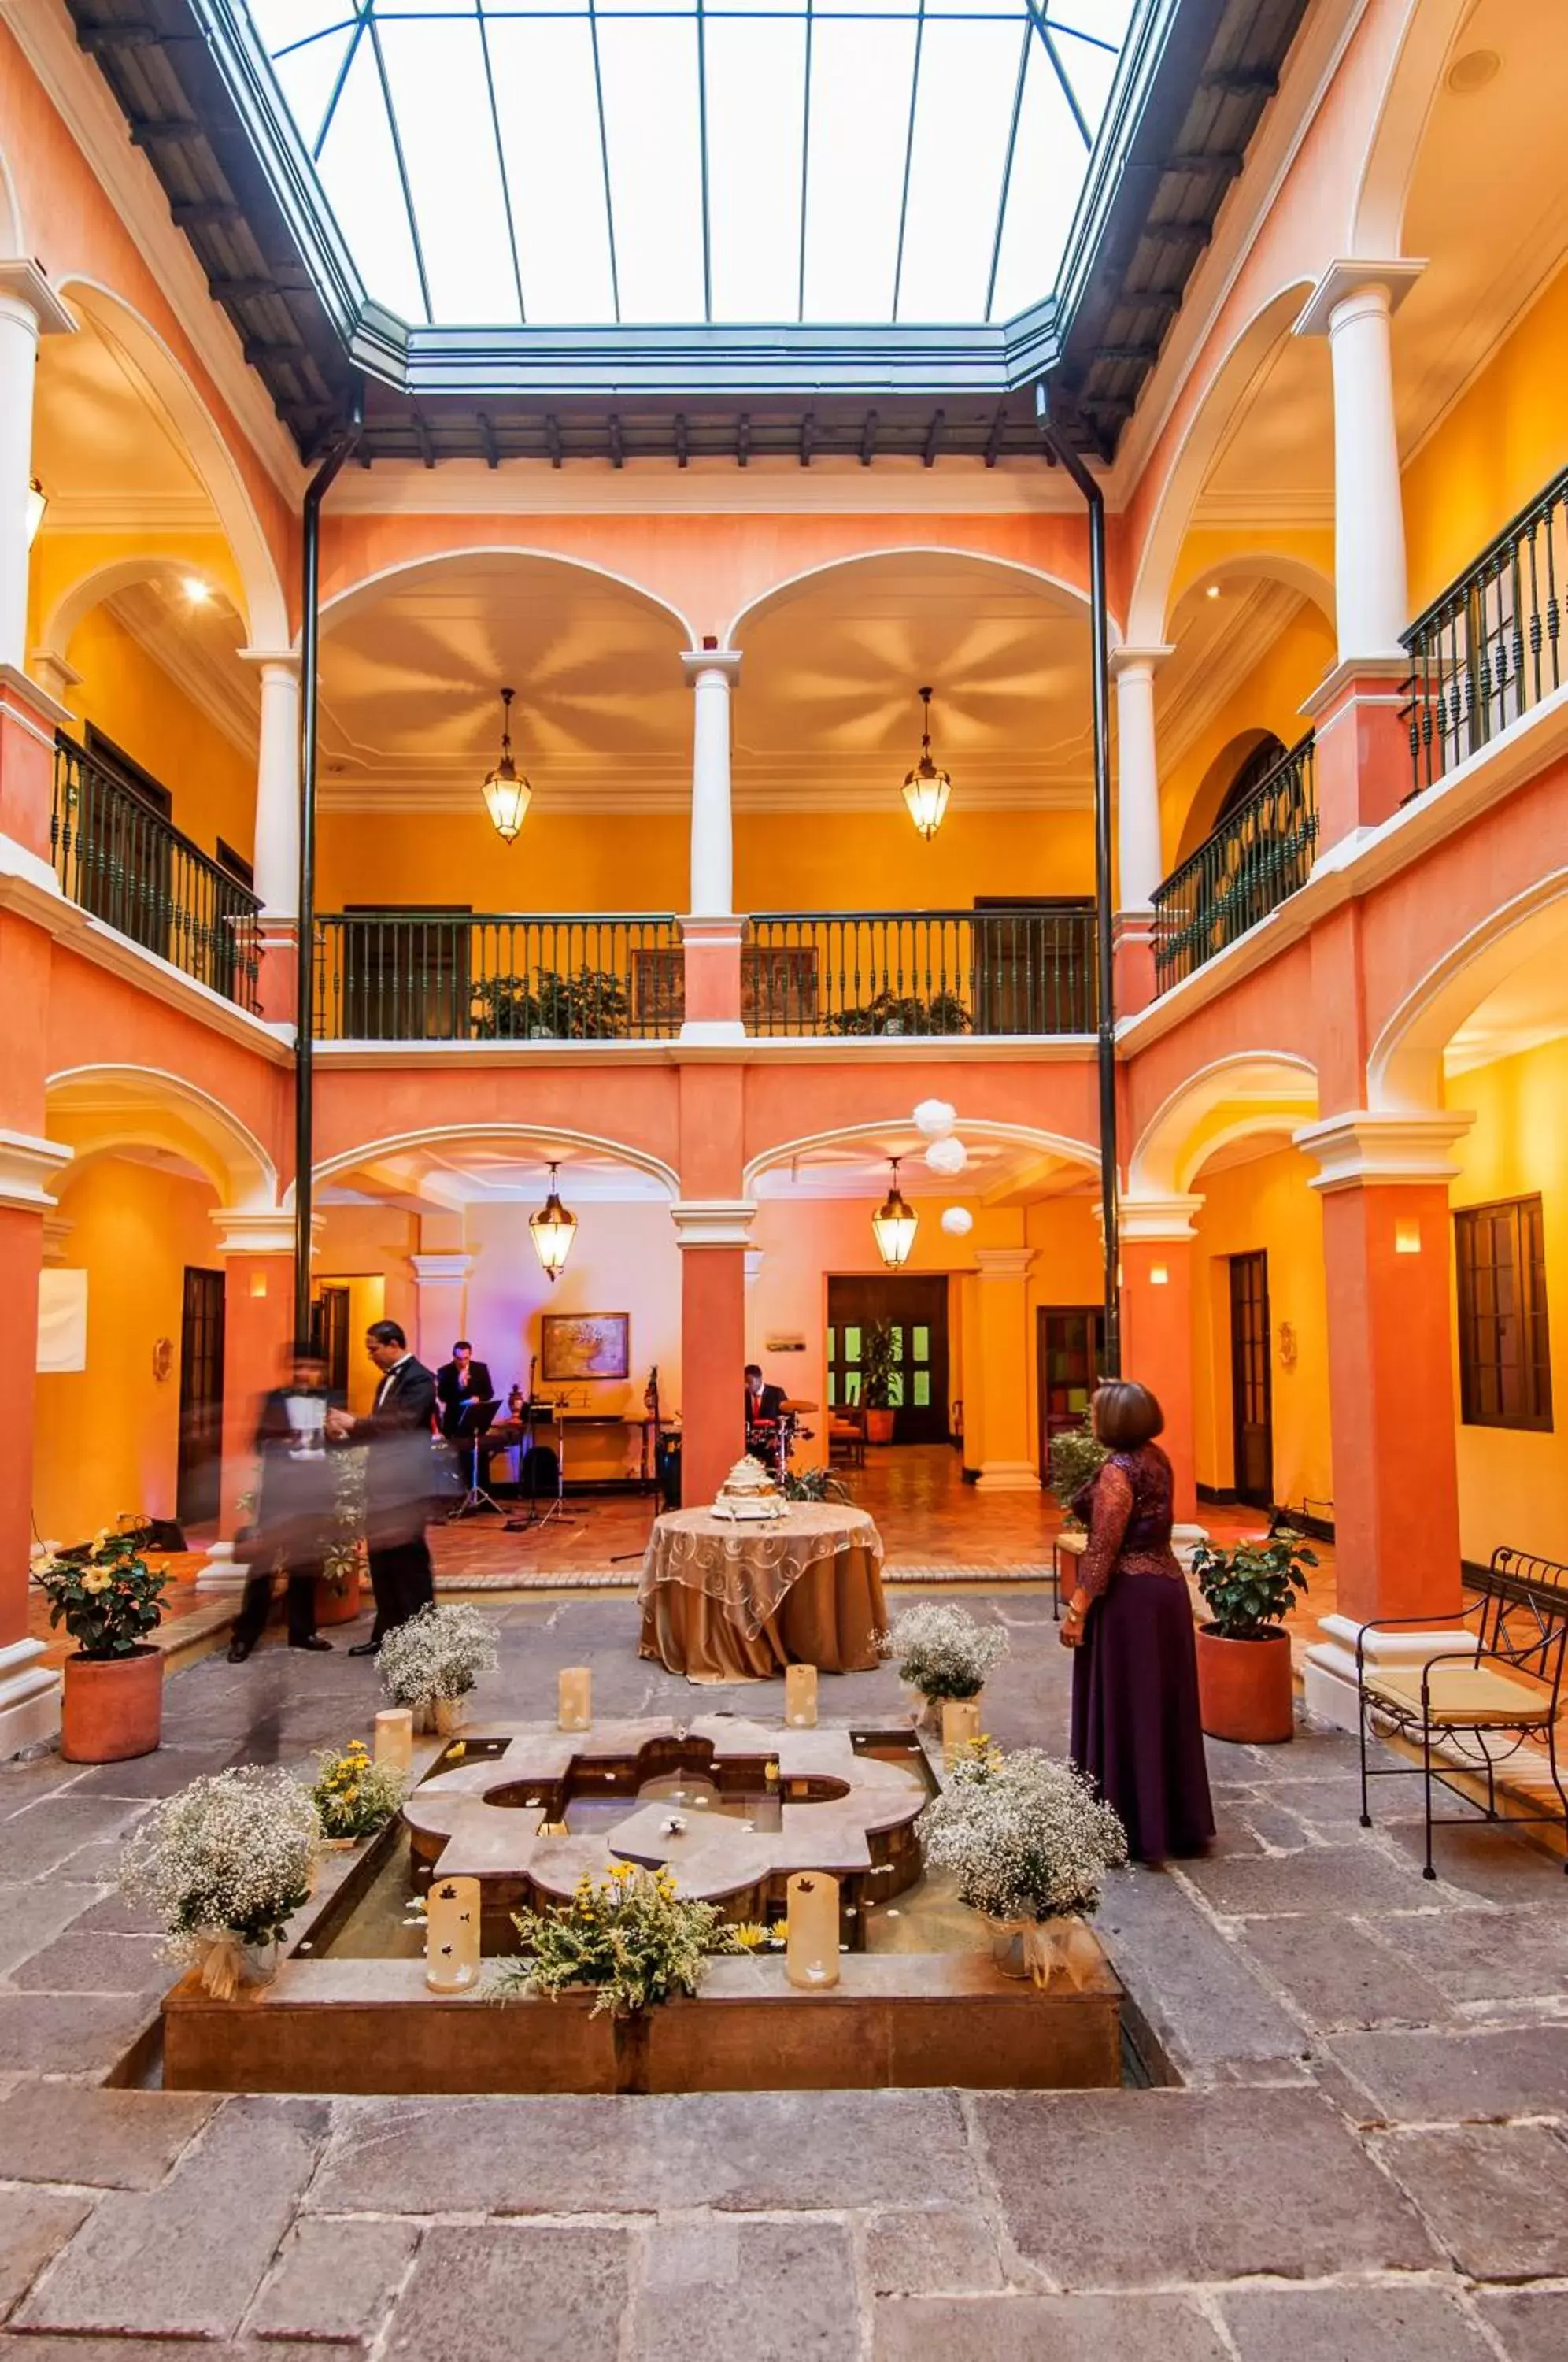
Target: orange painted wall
{"points": [[132, 698], [1270, 698], [1513, 1484], [107, 1436], [1500, 444], [1266, 1204], [784, 861]]}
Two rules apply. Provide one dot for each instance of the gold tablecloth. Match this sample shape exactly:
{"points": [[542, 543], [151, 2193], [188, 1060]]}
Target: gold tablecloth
{"points": [[728, 1601]]}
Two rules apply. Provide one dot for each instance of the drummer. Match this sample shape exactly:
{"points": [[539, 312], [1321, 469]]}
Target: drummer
{"points": [[764, 1409]]}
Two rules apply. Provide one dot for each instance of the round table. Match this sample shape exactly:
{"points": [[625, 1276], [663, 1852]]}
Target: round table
{"points": [[728, 1600]]}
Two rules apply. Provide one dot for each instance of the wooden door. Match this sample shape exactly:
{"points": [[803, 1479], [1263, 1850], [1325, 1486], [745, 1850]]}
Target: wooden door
{"points": [[1252, 1390], [1070, 1356], [916, 1310], [200, 1467], [330, 1335]]}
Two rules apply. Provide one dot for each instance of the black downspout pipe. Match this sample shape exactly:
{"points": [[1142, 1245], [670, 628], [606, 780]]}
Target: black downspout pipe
{"points": [[1105, 966], [305, 970]]}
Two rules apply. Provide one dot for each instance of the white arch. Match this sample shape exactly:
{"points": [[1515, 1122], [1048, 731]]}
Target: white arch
{"points": [[169, 389], [12, 237], [1166, 1156], [1238, 364], [440, 1134], [365, 591], [1378, 198], [1271, 566], [126, 1096], [1007, 1135], [1072, 591], [104, 582], [1403, 1072]]}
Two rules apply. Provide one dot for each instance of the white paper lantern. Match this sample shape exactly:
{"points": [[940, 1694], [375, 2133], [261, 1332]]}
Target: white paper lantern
{"points": [[934, 1119], [947, 1156], [957, 1221]]}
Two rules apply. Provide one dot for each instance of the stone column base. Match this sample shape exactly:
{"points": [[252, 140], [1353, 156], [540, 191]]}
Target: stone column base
{"points": [[1007, 1477], [29, 1698], [221, 1572], [1329, 1679]]}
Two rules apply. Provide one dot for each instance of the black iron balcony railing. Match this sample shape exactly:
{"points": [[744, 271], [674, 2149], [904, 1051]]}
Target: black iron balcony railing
{"points": [[433, 975], [1488, 649], [1258, 857], [121, 860], [1013, 969]]}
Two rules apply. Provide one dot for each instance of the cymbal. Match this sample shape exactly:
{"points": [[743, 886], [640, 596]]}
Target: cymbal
{"points": [[800, 1403]]}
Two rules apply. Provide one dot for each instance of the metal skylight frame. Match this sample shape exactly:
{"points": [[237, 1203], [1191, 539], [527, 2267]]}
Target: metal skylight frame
{"points": [[359, 24]]}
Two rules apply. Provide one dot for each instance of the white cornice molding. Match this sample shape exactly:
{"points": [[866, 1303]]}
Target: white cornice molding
{"points": [[23, 281], [759, 1049], [1362, 1149], [130, 512], [713, 1222], [1240, 512], [958, 487], [1152, 1221], [1345, 277], [440, 1270], [45, 35], [262, 1231], [1124, 658], [1004, 1263], [27, 1164], [28, 702]]}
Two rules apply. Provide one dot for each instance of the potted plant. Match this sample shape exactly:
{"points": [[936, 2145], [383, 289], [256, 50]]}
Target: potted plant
{"points": [[1030, 1843], [109, 1600], [342, 1571], [225, 1863], [1076, 1454], [632, 1941], [432, 1661], [354, 1796], [877, 1360], [504, 1009], [590, 1005], [944, 1654], [1245, 1686]]}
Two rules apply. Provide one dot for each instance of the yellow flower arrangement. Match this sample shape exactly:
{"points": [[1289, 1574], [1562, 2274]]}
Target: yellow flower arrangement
{"points": [[353, 1795], [630, 1935]]}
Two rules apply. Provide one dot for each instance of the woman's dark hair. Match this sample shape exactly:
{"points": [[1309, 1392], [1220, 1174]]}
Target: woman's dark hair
{"points": [[385, 1333], [1126, 1415]]}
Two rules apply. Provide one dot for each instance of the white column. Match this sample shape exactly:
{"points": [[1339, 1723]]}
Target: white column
{"points": [[712, 673], [27, 308], [277, 858], [1352, 305], [1139, 861]]}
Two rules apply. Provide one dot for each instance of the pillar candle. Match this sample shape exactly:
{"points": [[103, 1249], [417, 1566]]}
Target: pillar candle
{"points": [[811, 1953], [574, 1698], [960, 1724], [394, 1737], [801, 1696], [452, 1934]]}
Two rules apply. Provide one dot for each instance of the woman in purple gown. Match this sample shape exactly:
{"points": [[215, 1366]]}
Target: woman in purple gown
{"points": [[1136, 1729]]}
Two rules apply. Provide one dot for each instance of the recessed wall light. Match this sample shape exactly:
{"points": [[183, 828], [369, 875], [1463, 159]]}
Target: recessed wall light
{"points": [[1213, 591], [197, 591], [1473, 72]]}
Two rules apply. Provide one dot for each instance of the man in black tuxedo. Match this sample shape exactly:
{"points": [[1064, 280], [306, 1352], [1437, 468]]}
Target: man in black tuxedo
{"points": [[400, 1480], [295, 1507], [764, 1409], [459, 1382]]}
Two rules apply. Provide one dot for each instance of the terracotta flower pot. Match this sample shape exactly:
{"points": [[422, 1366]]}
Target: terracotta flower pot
{"points": [[112, 1707], [1244, 1690], [878, 1427], [337, 1605]]}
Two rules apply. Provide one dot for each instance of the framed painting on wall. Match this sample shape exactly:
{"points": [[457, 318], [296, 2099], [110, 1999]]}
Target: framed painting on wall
{"points": [[578, 1345]]}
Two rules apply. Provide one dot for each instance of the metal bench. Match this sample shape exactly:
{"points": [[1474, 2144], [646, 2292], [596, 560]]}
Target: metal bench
{"points": [[1506, 1688]]}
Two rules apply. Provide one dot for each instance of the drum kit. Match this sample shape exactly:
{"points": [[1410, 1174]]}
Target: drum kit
{"points": [[772, 1440]]}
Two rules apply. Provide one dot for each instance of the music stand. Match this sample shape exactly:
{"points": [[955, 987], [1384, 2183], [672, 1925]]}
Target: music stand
{"points": [[557, 1508], [474, 1421]]}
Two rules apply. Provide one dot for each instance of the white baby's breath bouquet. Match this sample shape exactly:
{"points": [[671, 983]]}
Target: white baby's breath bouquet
{"points": [[943, 1652], [437, 1656], [225, 1863], [1027, 1836]]}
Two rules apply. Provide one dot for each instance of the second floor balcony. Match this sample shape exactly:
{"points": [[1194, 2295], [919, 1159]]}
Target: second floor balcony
{"points": [[1258, 856]]}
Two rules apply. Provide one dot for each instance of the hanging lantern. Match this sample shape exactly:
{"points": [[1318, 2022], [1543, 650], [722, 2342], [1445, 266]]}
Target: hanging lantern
{"points": [[506, 792], [552, 1230], [37, 501], [927, 787], [894, 1224]]}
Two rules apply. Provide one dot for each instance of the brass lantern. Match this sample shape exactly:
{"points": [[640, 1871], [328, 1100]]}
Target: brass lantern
{"points": [[552, 1230], [506, 792], [894, 1224], [928, 786]]}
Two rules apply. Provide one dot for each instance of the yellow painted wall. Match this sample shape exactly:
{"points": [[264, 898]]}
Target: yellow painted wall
{"points": [[784, 861], [1513, 1485], [1266, 1204], [1499, 446], [1270, 698], [107, 1436], [369, 1247], [133, 701]]}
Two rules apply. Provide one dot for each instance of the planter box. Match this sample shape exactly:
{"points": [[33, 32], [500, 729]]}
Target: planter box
{"points": [[1245, 1689]]}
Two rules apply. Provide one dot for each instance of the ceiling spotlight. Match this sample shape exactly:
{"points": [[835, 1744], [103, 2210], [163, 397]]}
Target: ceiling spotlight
{"points": [[37, 501], [894, 1225], [552, 1230], [927, 787], [506, 792], [1213, 590], [197, 591]]}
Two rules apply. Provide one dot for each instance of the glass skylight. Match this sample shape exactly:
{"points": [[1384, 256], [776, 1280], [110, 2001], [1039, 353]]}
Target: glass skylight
{"points": [[590, 162]]}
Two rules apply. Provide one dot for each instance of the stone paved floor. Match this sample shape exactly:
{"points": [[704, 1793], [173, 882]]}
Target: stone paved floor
{"points": [[1365, 2160]]}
